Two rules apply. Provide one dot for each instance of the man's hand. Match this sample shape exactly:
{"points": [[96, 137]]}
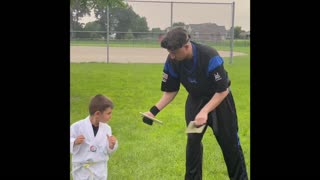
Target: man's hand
{"points": [[147, 120], [201, 119]]}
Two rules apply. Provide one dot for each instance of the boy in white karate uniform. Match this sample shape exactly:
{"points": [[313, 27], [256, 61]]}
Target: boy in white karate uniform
{"points": [[92, 142]]}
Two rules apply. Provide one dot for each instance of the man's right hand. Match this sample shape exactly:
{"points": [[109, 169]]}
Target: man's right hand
{"points": [[147, 120]]}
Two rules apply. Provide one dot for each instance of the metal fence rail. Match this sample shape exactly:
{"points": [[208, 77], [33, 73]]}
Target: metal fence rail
{"points": [[214, 25]]}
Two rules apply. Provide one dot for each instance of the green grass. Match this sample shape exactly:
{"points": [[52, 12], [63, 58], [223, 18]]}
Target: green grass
{"points": [[154, 152]]}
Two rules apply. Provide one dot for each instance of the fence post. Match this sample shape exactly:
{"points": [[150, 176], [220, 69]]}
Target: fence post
{"points": [[171, 14], [232, 34], [108, 33]]}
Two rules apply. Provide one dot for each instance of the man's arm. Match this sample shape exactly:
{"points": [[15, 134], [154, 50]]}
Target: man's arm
{"points": [[166, 98]]}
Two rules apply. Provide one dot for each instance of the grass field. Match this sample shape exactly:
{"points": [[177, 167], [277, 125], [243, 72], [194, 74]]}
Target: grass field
{"points": [[155, 152]]}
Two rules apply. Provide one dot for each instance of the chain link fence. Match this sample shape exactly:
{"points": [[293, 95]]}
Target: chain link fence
{"points": [[208, 23]]}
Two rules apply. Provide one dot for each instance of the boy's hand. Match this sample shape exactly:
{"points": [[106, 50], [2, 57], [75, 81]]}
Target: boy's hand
{"points": [[112, 141], [79, 140]]}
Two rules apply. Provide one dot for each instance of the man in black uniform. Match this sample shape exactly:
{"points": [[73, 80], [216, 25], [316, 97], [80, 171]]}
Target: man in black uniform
{"points": [[200, 70]]}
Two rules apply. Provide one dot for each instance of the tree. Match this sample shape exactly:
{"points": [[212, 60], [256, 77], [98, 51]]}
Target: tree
{"points": [[78, 9], [237, 31], [100, 11], [139, 24], [94, 27], [123, 19], [157, 33], [81, 8], [129, 35], [178, 24], [110, 3]]}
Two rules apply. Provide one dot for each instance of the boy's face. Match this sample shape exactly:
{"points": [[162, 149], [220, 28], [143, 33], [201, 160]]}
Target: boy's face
{"points": [[106, 115]]}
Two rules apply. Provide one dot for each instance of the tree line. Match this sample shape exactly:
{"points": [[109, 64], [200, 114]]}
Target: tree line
{"points": [[122, 19]]}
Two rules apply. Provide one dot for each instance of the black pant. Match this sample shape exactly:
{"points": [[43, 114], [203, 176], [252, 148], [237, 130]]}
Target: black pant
{"points": [[223, 122]]}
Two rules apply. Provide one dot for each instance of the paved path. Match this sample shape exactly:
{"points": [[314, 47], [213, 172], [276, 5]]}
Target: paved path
{"points": [[124, 54]]}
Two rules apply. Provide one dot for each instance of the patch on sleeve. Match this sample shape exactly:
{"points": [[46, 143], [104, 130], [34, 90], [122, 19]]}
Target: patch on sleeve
{"points": [[217, 76], [164, 77]]}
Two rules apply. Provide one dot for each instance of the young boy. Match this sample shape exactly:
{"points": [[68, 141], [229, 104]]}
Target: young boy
{"points": [[92, 142]]}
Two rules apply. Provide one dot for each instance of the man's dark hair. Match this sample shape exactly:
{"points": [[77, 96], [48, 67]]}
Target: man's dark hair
{"points": [[175, 39]]}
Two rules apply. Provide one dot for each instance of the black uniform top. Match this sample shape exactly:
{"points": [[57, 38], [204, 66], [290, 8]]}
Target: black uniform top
{"points": [[202, 76]]}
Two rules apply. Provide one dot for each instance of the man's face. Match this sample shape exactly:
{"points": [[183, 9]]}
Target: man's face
{"points": [[179, 54]]}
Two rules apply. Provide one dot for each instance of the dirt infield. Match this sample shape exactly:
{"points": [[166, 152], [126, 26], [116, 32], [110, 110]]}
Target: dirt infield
{"points": [[124, 54]]}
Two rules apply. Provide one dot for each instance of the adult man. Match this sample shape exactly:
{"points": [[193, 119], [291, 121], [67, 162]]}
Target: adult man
{"points": [[200, 70]]}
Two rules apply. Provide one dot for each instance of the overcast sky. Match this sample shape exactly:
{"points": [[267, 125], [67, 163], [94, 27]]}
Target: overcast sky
{"points": [[159, 14]]}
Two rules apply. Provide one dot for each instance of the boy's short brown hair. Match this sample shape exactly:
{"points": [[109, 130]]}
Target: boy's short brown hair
{"points": [[99, 103]]}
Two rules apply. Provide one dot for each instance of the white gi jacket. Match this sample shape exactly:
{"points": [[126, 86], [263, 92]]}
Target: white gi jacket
{"points": [[89, 159]]}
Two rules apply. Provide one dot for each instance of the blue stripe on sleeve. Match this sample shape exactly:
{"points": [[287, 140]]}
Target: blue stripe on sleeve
{"points": [[214, 62], [169, 69]]}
